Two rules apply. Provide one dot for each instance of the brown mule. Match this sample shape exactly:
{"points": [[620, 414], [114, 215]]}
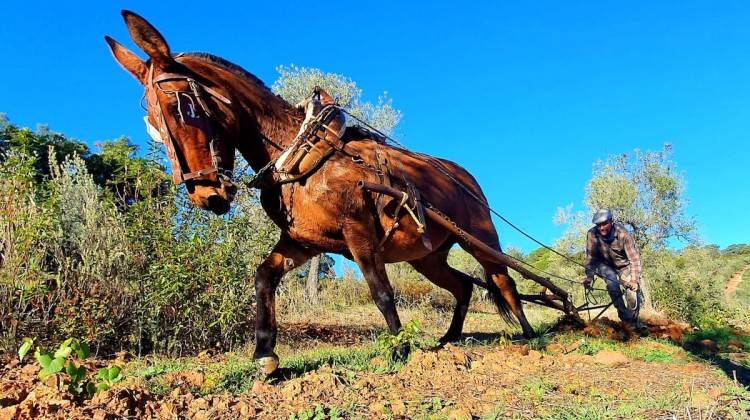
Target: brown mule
{"points": [[204, 108]]}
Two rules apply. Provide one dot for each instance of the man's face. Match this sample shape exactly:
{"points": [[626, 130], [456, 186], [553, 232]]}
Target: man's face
{"points": [[604, 227]]}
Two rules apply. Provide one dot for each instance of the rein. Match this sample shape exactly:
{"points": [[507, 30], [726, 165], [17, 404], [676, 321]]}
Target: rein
{"points": [[186, 109]]}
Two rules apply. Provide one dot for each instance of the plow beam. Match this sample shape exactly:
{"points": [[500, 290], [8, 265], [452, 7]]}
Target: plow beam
{"points": [[542, 299]]}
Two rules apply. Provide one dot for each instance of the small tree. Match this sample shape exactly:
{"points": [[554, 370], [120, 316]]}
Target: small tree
{"points": [[645, 191], [296, 83]]}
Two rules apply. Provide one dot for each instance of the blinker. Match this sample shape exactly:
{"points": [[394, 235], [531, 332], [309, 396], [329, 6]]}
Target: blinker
{"points": [[152, 131]]}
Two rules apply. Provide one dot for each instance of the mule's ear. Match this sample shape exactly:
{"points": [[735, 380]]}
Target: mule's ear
{"points": [[128, 60], [148, 38]]}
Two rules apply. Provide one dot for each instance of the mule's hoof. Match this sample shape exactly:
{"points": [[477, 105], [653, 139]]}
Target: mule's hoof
{"points": [[269, 364], [449, 339], [401, 353]]}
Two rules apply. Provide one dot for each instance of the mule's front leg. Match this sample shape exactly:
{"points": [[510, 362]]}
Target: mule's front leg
{"points": [[286, 255]]}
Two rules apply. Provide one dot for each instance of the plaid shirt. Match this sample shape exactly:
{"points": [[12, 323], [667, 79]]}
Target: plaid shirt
{"points": [[622, 254]]}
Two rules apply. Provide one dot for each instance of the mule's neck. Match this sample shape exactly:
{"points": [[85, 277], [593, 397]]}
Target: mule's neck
{"points": [[268, 125]]}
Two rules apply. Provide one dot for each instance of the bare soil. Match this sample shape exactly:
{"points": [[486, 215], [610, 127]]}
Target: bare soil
{"points": [[735, 281], [486, 380]]}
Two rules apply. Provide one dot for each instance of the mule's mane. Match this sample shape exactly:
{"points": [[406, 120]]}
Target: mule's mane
{"points": [[226, 65]]}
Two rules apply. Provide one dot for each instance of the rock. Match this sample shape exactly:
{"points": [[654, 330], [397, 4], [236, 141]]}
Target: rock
{"points": [[101, 415], [574, 345], [191, 379], [611, 358], [245, 409], [522, 350], [102, 397], [260, 387], [460, 414], [398, 408], [199, 404], [9, 412], [291, 390], [12, 396], [30, 369], [708, 345], [59, 403], [168, 411], [735, 345], [554, 349], [535, 355], [377, 408]]}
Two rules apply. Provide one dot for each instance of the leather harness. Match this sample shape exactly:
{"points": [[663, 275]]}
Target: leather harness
{"points": [[192, 110]]}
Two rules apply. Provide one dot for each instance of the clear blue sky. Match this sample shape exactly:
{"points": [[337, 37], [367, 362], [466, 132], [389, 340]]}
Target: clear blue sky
{"points": [[526, 95]]}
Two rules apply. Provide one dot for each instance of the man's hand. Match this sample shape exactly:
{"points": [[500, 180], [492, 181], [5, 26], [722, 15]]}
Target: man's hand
{"points": [[587, 282], [631, 285]]}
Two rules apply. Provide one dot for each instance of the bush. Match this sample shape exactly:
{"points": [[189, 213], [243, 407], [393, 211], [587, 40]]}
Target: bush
{"points": [[154, 275], [687, 284]]}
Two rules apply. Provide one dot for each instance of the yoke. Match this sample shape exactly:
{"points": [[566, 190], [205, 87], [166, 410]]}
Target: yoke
{"points": [[320, 135]]}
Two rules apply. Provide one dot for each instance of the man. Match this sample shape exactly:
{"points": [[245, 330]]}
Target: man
{"points": [[611, 252]]}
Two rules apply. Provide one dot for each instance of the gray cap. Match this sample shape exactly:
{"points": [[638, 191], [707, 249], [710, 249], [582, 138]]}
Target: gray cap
{"points": [[601, 216]]}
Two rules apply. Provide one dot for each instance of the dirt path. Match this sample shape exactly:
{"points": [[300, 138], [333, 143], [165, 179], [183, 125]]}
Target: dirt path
{"points": [[735, 281]]}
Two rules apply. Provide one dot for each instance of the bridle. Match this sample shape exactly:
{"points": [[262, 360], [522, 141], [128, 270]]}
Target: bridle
{"points": [[186, 107]]}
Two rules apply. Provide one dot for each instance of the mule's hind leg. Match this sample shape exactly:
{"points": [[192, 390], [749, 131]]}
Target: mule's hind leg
{"points": [[435, 267], [286, 255]]}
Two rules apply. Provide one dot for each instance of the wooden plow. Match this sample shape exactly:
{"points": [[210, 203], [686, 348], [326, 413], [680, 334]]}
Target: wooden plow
{"points": [[551, 295]]}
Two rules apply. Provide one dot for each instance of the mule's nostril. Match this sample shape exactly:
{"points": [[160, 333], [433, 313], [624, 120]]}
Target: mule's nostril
{"points": [[217, 204]]}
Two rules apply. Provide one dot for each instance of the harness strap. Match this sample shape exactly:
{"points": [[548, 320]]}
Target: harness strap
{"points": [[196, 88], [176, 76]]}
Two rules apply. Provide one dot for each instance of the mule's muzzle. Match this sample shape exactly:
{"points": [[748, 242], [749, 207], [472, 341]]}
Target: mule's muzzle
{"points": [[217, 204]]}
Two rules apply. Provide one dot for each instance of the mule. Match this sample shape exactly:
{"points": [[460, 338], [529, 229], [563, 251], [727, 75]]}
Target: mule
{"points": [[205, 108]]}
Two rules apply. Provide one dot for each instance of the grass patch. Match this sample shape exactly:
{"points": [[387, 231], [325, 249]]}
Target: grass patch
{"points": [[657, 351], [721, 335], [353, 358], [161, 366], [591, 346]]}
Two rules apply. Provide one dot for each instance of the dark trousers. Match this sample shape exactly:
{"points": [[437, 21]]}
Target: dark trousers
{"points": [[615, 293]]}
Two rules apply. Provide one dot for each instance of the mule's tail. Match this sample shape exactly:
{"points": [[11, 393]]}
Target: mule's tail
{"points": [[502, 304]]}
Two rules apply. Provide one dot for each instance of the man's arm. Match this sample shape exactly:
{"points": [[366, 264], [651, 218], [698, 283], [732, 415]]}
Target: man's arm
{"points": [[634, 256], [590, 259]]}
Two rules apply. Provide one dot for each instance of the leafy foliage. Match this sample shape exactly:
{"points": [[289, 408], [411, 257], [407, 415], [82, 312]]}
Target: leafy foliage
{"points": [[406, 336], [123, 262], [295, 83], [645, 192], [61, 361]]}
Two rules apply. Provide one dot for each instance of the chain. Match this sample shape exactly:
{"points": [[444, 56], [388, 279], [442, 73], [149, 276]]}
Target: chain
{"points": [[464, 235]]}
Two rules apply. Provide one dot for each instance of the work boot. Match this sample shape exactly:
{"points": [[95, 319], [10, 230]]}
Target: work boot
{"points": [[640, 328]]}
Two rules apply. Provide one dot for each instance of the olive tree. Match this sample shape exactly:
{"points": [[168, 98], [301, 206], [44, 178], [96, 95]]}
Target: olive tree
{"points": [[646, 193], [296, 83]]}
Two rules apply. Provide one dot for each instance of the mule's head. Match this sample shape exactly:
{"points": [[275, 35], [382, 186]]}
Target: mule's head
{"points": [[187, 112]]}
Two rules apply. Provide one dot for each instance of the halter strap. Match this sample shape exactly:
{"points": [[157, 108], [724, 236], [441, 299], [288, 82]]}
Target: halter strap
{"points": [[178, 174]]}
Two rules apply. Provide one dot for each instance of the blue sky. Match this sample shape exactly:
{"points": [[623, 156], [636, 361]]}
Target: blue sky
{"points": [[526, 95]]}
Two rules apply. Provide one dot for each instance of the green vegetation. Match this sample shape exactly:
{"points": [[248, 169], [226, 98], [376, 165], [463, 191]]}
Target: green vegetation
{"points": [[61, 361]]}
